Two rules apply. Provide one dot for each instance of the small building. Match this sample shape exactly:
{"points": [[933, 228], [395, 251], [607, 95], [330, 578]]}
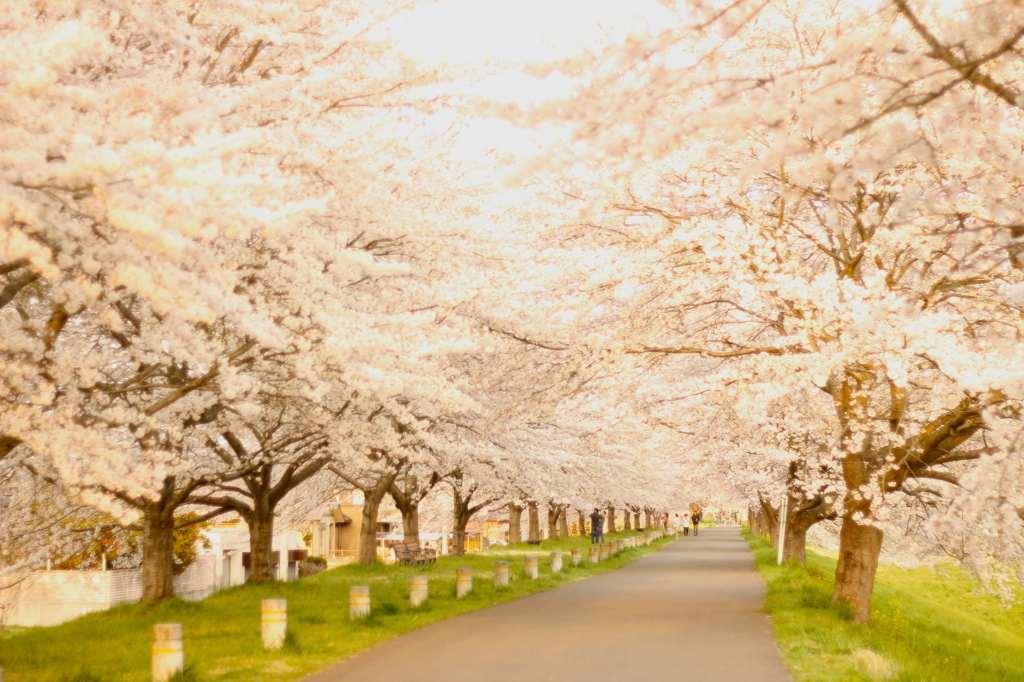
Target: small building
{"points": [[336, 526]]}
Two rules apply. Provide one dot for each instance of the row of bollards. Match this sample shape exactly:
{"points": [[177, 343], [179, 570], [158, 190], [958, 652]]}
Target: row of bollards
{"points": [[169, 655]]}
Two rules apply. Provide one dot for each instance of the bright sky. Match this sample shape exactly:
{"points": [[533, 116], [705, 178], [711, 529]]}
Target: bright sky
{"points": [[520, 30], [517, 32]]}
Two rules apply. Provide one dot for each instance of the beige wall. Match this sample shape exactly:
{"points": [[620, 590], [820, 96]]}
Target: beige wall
{"points": [[348, 535]]}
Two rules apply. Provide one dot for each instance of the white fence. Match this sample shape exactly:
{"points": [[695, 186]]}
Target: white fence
{"points": [[53, 597]]}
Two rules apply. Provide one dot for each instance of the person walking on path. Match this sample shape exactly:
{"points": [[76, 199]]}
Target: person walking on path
{"points": [[686, 525], [596, 528], [695, 519]]}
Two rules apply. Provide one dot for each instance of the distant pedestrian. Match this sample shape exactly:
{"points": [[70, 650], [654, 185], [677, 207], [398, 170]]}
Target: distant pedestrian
{"points": [[695, 520], [596, 528], [686, 525]]}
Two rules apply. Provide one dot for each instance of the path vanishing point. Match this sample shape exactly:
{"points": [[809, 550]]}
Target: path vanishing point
{"points": [[687, 613]]}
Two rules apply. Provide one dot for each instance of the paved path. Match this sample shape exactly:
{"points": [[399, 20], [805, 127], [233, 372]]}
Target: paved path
{"points": [[688, 613]]}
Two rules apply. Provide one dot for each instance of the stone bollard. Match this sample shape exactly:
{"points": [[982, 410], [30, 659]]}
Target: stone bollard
{"points": [[594, 555], [556, 562], [168, 654], [463, 581], [501, 574], [273, 622], [577, 559], [418, 589], [531, 566], [604, 553], [358, 601]]}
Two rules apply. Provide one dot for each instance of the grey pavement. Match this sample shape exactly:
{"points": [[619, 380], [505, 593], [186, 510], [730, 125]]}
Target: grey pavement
{"points": [[687, 613]]}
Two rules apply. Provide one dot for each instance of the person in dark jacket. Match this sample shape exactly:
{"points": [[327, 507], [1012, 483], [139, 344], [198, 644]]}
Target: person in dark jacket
{"points": [[695, 519], [596, 528]]}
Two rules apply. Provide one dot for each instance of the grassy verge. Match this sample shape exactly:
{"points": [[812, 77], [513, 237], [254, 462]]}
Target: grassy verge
{"points": [[927, 625], [222, 633]]}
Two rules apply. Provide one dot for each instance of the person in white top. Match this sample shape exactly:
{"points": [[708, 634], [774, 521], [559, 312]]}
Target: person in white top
{"points": [[686, 524]]}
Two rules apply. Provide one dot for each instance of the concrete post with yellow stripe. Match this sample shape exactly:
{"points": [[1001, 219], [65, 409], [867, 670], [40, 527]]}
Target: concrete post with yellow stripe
{"points": [[358, 601], [168, 652], [418, 589], [501, 574], [463, 581], [273, 622], [531, 566]]}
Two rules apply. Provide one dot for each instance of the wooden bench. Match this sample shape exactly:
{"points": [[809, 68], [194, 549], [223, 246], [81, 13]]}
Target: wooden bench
{"points": [[410, 554], [533, 542]]}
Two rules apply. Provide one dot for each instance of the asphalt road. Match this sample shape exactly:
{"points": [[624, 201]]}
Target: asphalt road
{"points": [[688, 613]]}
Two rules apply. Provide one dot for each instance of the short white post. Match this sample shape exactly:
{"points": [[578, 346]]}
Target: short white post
{"points": [[577, 559], [274, 623], [501, 574], [556, 562], [168, 653], [594, 555], [531, 566], [604, 553], [463, 581], [418, 590], [358, 601]]}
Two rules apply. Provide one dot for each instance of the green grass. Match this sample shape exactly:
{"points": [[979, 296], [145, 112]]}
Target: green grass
{"points": [[222, 633], [928, 625]]}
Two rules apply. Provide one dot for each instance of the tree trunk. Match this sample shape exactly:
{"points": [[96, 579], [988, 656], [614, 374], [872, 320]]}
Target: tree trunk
{"points": [[373, 496], [157, 551], [626, 525], [859, 548], [771, 520], [534, 521], [611, 519], [409, 507], [462, 512], [563, 521], [261, 540], [800, 518], [636, 521], [552, 521], [411, 524], [459, 531], [515, 523], [647, 518], [796, 541], [582, 522]]}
